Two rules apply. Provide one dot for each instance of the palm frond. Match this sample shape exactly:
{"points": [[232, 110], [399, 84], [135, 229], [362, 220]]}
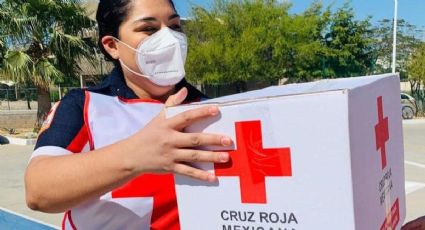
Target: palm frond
{"points": [[69, 46], [65, 43], [46, 73], [17, 66], [15, 22], [43, 40]]}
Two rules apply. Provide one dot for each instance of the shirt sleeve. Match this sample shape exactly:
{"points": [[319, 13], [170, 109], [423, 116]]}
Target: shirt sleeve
{"points": [[64, 132]]}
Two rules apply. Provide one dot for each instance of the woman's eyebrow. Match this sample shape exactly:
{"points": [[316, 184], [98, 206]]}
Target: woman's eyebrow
{"points": [[153, 19], [173, 16], [145, 19]]}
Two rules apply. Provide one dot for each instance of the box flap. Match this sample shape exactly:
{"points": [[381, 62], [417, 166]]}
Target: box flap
{"points": [[303, 88]]}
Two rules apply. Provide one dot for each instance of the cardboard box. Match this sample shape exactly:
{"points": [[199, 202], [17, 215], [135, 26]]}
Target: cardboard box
{"points": [[321, 155]]}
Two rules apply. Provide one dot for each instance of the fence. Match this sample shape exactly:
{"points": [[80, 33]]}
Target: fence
{"points": [[26, 98]]}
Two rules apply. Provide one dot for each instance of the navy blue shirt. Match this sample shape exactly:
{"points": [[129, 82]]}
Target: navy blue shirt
{"points": [[68, 119]]}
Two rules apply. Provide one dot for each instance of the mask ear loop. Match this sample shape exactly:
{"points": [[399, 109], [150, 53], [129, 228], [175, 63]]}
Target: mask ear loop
{"points": [[118, 40], [132, 71], [122, 62]]}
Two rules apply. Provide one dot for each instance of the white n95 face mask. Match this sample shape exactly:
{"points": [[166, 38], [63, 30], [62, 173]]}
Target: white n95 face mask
{"points": [[161, 57]]}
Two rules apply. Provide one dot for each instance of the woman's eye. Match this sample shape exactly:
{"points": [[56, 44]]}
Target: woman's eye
{"points": [[176, 28], [148, 29]]}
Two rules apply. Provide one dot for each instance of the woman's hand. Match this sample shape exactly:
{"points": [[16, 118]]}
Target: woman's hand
{"points": [[418, 224], [162, 146]]}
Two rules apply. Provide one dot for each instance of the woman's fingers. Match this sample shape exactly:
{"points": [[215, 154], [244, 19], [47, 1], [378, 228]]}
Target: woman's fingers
{"points": [[193, 155], [182, 144], [195, 173], [191, 140], [177, 98], [182, 120]]}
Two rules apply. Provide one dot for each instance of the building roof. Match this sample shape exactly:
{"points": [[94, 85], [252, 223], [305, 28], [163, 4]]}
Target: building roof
{"points": [[100, 67], [8, 83], [91, 8]]}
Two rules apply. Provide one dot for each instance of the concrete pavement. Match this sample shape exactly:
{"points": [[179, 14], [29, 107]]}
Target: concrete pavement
{"points": [[13, 160], [414, 154]]}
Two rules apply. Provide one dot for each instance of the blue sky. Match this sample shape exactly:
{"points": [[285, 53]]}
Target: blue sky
{"points": [[412, 11]]}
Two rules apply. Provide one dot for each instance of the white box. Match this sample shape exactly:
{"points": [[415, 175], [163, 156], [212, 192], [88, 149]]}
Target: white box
{"points": [[306, 156]]}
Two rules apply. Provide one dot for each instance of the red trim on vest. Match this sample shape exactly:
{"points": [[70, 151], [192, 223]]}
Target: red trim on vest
{"points": [[70, 220], [79, 141], [145, 100], [64, 220], [47, 120], [67, 215], [86, 119]]}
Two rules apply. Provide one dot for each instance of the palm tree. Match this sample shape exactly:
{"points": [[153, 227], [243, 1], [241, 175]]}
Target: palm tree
{"points": [[41, 46]]}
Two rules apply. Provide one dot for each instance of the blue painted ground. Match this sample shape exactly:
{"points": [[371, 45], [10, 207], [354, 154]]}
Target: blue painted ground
{"points": [[11, 221]]}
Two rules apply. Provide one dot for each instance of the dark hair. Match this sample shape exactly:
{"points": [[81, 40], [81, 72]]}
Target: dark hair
{"points": [[110, 15]]}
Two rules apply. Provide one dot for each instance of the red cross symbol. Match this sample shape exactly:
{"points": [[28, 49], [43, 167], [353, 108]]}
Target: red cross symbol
{"points": [[161, 188], [252, 163], [381, 133]]}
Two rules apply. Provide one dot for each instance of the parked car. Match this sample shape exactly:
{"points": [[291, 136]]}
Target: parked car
{"points": [[408, 106], [3, 140]]}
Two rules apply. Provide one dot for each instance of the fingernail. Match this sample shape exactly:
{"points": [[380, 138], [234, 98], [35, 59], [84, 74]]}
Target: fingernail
{"points": [[224, 157], [225, 141], [213, 110], [212, 178]]}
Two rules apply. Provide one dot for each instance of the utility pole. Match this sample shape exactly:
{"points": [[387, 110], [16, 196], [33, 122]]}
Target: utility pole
{"points": [[81, 81], [60, 92], [395, 36]]}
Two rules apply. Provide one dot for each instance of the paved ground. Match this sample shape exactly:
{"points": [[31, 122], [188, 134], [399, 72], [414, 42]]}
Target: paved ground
{"points": [[414, 145], [13, 160]]}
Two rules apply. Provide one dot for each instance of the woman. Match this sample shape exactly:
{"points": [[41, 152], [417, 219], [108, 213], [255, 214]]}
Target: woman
{"points": [[103, 154]]}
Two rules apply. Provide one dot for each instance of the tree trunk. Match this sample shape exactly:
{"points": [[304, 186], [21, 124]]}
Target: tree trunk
{"points": [[28, 98], [44, 106]]}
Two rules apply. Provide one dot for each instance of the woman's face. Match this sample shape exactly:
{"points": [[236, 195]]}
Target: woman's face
{"points": [[145, 17]]}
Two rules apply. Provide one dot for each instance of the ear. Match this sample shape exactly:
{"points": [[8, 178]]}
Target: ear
{"points": [[110, 45]]}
